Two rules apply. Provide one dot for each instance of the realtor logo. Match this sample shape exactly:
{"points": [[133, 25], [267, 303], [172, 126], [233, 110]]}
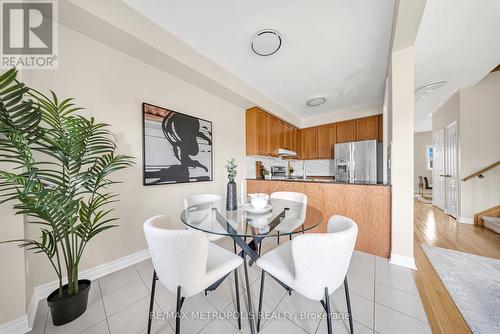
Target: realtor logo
{"points": [[29, 34]]}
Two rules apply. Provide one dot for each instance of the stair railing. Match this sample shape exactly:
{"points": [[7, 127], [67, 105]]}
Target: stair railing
{"points": [[480, 173]]}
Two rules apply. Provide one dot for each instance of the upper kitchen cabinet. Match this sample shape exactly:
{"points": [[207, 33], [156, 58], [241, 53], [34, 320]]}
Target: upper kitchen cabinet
{"points": [[282, 132], [294, 139], [367, 128], [327, 137], [256, 132], [309, 143], [265, 134], [298, 143], [346, 131], [273, 141]]}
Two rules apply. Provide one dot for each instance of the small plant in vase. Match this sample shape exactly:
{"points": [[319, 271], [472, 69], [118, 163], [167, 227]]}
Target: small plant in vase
{"points": [[265, 173], [231, 198]]}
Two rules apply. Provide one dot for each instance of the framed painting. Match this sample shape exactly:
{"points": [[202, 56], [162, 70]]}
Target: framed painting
{"points": [[177, 148]]}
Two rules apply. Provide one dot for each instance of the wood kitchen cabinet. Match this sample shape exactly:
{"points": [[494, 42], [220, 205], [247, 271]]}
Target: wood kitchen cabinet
{"points": [[265, 134], [368, 205], [346, 131], [367, 128], [272, 136], [280, 130], [286, 136], [309, 143], [298, 143], [256, 131], [293, 139], [327, 137]]}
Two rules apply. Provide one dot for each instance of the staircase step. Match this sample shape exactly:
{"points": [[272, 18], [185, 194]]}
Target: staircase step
{"points": [[493, 223]]}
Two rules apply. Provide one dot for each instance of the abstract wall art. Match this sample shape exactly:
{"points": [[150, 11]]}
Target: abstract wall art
{"points": [[177, 147]]}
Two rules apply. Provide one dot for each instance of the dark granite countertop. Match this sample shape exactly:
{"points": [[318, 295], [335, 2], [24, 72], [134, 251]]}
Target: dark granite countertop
{"points": [[327, 181]]}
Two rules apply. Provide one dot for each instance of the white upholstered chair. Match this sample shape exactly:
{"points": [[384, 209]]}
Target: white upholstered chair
{"points": [[185, 262], [314, 265], [214, 200], [297, 217]]}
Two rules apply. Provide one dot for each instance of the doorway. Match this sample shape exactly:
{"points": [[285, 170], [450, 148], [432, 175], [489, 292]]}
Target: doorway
{"points": [[451, 169], [438, 171], [445, 171]]}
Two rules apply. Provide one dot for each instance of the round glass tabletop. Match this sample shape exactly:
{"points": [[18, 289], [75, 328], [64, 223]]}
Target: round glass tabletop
{"points": [[283, 216]]}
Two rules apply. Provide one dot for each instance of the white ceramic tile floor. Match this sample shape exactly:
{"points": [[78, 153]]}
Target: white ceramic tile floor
{"points": [[384, 300]]}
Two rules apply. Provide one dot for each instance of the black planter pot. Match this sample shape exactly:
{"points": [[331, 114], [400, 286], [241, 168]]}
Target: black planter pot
{"points": [[231, 198], [68, 308]]}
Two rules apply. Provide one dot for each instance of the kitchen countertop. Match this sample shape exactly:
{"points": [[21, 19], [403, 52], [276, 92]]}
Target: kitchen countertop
{"points": [[327, 181]]}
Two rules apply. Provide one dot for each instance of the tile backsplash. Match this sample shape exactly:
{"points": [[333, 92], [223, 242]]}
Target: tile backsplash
{"points": [[313, 167]]}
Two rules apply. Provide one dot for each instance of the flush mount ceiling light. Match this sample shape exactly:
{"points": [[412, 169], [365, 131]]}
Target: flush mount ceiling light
{"points": [[266, 42], [316, 101], [424, 90]]}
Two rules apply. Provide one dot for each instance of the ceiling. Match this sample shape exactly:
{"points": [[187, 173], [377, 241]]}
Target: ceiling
{"points": [[333, 48], [458, 42]]}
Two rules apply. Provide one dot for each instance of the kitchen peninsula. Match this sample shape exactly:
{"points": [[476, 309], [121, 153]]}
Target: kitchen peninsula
{"points": [[368, 204]]}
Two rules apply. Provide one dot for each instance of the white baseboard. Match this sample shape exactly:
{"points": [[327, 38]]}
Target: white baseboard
{"points": [[16, 326], [42, 291], [465, 220], [403, 261]]}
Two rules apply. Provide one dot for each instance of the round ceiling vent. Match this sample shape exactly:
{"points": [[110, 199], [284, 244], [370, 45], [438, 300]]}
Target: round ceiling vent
{"points": [[266, 42], [424, 90], [316, 101]]}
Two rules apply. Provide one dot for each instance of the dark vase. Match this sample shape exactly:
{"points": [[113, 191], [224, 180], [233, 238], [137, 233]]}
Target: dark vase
{"points": [[232, 197], [67, 308]]}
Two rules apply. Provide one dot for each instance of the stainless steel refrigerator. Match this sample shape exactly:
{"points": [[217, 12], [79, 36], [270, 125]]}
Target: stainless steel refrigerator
{"points": [[359, 161]]}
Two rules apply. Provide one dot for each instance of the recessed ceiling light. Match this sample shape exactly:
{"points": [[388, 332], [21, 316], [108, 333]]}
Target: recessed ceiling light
{"points": [[424, 90], [266, 42], [316, 101]]}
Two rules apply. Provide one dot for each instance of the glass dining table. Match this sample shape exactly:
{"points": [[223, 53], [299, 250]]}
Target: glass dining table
{"points": [[248, 227]]}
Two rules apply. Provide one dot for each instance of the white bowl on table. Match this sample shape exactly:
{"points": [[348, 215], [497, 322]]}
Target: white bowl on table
{"points": [[258, 200]]}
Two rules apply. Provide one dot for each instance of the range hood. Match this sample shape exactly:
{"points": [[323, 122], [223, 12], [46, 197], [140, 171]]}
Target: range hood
{"points": [[286, 153]]}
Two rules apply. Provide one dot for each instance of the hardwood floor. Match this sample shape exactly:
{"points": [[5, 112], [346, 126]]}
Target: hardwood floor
{"points": [[434, 227]]}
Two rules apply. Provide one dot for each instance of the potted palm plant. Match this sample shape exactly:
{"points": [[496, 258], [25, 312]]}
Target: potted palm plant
{"points": [[60, 181]]}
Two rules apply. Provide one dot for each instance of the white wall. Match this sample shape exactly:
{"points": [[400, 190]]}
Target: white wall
{"points": [[448, 113], [479, 132], [111, 86], [422, 140], [12, 276], [341, 115]]}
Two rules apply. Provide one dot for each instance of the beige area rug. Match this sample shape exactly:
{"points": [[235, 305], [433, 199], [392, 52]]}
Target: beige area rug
{"points": [[474, 284]]}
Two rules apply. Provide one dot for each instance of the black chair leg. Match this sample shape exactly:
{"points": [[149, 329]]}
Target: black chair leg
{"points": [[328, 312], [348, 300], [152, 300], [290, 236], [237, 288], [278, 237], [259, 314], [180, 301], [234, 244]]}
